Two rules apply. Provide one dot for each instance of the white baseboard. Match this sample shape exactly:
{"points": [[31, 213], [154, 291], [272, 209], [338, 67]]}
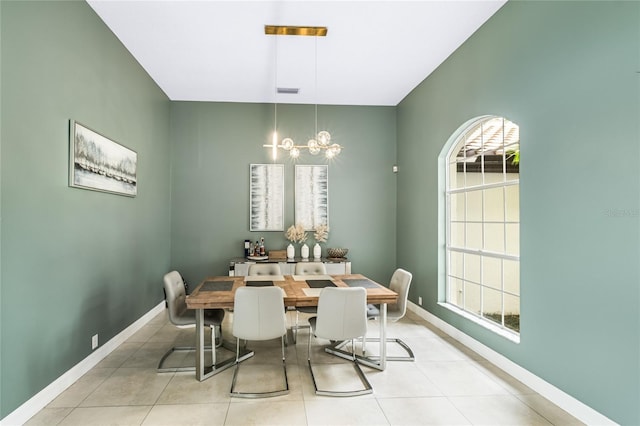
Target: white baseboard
{"points": [[40, 400], [563, 400]]}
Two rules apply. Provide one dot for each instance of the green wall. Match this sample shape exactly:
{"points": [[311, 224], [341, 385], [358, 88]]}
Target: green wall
{"points": [[213, 145], [568, 74], [74, 262]]}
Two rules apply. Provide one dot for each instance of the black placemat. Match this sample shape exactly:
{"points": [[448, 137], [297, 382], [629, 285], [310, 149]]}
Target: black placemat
{"points": [[258, 283], [217, 286], [357, 282], [320, 283]]}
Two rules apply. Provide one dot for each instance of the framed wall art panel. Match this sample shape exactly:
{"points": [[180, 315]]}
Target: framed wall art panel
{"points": [[312, 195], [99, 163], [266, 197]]}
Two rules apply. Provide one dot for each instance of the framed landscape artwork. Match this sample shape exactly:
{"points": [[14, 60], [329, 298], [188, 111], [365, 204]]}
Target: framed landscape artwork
{"points": [[312, 195], [99, 163], [266, 197]]}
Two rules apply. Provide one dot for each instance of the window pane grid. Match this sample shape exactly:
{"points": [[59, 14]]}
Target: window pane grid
{"points": [[506, 222], [513, 182], [482, 239], [505, 293], [483, 253]]}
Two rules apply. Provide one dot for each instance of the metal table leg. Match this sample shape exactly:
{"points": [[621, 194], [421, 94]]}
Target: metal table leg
{"points": [[383, 336], [204, 372]]}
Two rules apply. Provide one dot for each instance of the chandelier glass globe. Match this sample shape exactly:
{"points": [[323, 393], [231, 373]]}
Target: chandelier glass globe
{"points": [[324, 138]]}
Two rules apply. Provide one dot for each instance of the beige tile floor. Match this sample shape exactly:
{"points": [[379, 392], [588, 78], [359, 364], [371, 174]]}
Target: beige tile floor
{"points": [[447, 385]]}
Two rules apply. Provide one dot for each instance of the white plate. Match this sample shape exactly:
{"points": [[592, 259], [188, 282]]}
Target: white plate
{"points": [[257, 257]]}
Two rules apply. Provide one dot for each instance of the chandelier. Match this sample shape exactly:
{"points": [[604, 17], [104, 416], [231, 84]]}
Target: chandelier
{"points": [[322, 141]]}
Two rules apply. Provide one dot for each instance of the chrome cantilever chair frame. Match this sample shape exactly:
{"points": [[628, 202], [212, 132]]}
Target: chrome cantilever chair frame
{"points": [[400, 282], [341, 316], [180, 317], [162, 369], [259, 315]]}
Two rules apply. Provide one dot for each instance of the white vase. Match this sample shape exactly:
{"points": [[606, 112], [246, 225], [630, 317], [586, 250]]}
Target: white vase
{"points": [[291, 252], [317, 251], [304, 252]]}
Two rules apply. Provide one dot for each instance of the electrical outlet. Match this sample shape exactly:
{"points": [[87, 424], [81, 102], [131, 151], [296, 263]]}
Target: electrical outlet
{"points": [[94, 341], [420, 300]]}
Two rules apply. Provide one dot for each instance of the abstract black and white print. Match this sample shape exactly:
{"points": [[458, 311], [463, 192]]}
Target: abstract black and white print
{"points": [[266, 197], [312, 195]]}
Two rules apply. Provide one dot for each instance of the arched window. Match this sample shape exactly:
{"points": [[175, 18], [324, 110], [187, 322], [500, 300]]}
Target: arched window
{"points": [[483, 222]]}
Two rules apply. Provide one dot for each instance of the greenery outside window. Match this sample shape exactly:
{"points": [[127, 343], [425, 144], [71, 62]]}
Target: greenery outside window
{"points": [[483, 222]]}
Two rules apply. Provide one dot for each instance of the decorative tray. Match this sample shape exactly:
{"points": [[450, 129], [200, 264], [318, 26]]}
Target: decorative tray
{"points": [[258, 257]]}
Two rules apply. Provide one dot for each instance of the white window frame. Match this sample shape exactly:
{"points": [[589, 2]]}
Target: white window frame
{"points": [[456, 143]]}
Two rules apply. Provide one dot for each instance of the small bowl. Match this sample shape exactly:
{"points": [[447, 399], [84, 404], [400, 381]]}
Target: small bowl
{"points": [[337, 252]]}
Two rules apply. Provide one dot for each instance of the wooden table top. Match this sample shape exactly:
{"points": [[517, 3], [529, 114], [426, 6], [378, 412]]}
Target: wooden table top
{"points": [[294, 291]]}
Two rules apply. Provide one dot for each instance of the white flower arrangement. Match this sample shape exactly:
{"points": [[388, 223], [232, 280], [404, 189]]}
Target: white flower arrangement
{"points": [[296, 233], [321, 233]]}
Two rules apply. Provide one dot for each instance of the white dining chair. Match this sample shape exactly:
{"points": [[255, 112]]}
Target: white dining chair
{"points": [[259, 315], [400, 282], [306, 268], [342, 315], [181, 317], [264, 269]]}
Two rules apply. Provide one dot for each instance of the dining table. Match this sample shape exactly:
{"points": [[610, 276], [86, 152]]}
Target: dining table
{"points": [[218, 292]]}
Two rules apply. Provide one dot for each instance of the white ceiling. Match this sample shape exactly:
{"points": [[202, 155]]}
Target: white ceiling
{"points": [[375, 52]]}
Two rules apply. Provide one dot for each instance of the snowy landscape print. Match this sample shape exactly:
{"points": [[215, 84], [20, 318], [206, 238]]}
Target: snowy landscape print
{"points": [[101, 164]]}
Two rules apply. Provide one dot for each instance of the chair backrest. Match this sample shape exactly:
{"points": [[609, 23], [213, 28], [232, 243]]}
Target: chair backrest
{"points": [[264, 269], [258, 313], [310, 268], [175, 295], [400, 282], [342, 313]]}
